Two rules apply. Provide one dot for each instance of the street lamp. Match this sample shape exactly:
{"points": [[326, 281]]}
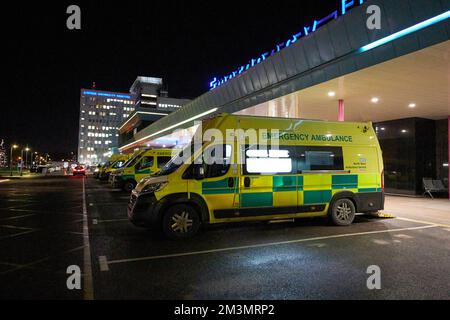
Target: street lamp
{"points": [[26, 156], [21, 160], [14, 146], [35, 157]]}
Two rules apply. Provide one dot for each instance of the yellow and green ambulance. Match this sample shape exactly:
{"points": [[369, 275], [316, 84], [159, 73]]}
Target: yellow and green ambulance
{"points": [[298, 168], [114, 162], [131, 157], [144, 164]]}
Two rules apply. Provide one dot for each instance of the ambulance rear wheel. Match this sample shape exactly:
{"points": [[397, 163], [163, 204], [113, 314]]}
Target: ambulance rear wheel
{"points": [[343, 212], [129, 186], [180, 222]]}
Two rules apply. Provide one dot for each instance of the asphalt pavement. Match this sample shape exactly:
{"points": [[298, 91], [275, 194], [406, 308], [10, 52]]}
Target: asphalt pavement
{"points": [[41, 235], [41, 225]]}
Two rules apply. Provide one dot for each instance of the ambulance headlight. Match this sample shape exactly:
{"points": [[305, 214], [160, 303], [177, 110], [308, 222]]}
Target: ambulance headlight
{"points": [[150, 188]]}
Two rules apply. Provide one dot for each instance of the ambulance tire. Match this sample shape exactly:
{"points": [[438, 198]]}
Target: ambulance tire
{"points": [[342, 212], [180, 221], [129, 185]]}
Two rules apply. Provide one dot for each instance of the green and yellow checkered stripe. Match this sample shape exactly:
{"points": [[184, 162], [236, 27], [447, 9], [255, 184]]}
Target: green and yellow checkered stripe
{"points": [[292, 189], [309, 189]]}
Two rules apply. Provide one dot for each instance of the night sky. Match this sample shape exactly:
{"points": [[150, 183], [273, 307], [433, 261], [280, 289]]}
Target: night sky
{"points": [[185, 42]]}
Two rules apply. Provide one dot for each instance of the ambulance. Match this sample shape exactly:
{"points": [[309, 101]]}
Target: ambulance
{"points": [[131, 157], [142, 165], [114, 162], [298, 168], [102, 166]]}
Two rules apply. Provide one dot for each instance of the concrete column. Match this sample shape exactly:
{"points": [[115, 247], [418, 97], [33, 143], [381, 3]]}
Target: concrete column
{"points": [[448, 159], [341, 111]]}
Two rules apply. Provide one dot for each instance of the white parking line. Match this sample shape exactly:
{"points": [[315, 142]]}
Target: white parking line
{"points": [[76, 233], [112, 220], [403, 236], [175, 255], [88, 285], [10, 264], [6, 180], [103, 262], [18, 267], [18, 217], [17, 234], [24, 266], [16, 227], [424, 222]]}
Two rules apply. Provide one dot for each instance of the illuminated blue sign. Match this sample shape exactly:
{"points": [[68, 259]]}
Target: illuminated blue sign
{"points": [[345, 6], [108, 95]]}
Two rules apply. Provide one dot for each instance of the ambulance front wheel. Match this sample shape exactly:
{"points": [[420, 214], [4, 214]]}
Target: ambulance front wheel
{"points": [[342, 212], [180, 222]]}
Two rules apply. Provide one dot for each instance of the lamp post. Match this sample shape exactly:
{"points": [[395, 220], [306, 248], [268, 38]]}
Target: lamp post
{"points": [[14, 146], [26, 156], [36, 155], [21, 162], [21, 159]]}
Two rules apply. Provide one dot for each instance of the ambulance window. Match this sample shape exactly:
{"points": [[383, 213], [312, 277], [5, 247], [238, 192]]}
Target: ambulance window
{"points": [[263, 161], [320, 158], [162, 161], [217, 160], [132, 161], [119, 164], [146, 162]]}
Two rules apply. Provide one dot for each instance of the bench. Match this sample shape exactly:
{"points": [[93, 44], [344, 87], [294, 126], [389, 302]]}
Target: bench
{"points": [[433, 186]]}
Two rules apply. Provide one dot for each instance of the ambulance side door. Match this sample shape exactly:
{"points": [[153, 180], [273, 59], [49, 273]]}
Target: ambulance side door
{"points": [[219, 182], [269, 182]]}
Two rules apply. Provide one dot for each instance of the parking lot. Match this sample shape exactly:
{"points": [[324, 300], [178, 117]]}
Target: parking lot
{"points": [[48, 224]]}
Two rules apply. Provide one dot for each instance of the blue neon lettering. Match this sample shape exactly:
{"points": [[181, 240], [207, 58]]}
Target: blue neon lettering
{"points": [[280, 46], [333, 15], [213, 83], [108, 95], [346, 5], [306, 29], [294, 39]]}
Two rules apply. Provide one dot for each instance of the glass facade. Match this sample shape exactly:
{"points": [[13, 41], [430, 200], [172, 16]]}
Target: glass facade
{"points": [[101, 114], [413, 149], [442, 161]]}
